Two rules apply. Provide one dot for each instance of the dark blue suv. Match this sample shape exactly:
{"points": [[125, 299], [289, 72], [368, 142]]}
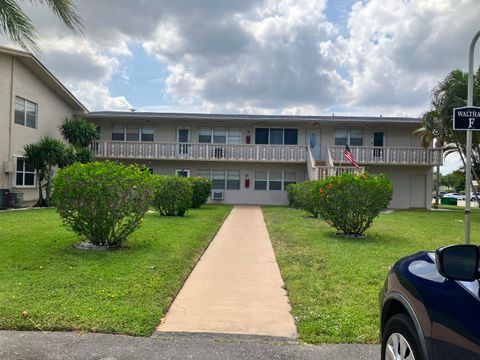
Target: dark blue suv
{"points": [[430, 306]]}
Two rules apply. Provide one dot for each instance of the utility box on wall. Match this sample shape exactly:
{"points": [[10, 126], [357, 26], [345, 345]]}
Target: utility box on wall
{"points": [[8, 167]]}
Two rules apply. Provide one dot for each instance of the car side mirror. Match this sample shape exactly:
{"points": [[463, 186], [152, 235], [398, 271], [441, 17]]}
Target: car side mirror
{"points": [[458, 262]]}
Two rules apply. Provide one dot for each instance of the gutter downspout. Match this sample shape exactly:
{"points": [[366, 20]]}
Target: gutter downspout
{"points": [[6, 178]]}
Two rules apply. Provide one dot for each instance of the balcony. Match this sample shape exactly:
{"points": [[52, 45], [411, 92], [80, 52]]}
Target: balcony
{"points": [[190, 151], [388, 155]]}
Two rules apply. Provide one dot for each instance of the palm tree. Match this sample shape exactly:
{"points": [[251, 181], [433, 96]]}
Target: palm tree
{"points": [[437, 124], [54, 152], [79, 132], [18, 27], [34, 155], [432, 129]]}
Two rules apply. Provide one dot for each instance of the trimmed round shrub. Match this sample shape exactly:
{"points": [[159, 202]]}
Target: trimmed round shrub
{"points": [[350, 202], [201, 188], [173, 195], [103, 202], [304, 196]]}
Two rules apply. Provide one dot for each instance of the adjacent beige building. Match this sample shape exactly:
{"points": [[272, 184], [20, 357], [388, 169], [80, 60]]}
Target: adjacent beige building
{"points": [[33, 103], [250, 158]]}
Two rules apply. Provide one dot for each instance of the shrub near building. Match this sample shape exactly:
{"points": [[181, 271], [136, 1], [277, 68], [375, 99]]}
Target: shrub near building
{"points": [[103, 202], [173, 195], [304, 196], [201, 188], [350, 202]]}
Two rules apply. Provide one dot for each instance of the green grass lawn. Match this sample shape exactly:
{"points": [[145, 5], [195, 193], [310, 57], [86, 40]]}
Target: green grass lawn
{"points": [[334, 282], [123, 291]]}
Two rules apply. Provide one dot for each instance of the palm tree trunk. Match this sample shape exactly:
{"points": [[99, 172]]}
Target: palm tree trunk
{"points": [[49, 186], [41, 200]]}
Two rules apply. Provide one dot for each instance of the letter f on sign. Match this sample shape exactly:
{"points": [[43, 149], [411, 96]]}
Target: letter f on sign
{"points": [[471, 122]]}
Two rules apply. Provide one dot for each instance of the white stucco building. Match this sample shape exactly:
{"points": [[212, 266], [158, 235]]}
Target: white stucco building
{"points": [[251, 158], [33, 103]]}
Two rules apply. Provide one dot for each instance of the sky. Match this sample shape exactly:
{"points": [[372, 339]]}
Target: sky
{"points": [[296, 57]]}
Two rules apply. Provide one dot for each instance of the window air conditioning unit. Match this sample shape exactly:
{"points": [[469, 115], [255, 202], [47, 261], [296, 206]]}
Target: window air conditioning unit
{"points": [[217, 195]]}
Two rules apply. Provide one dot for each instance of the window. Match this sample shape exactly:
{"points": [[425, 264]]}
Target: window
{"points": [[234, 136], [147, 134], [260, 182], [219, 135], [132, 133], [233, 179], [279, 136], [207, 174], [341, 137], [182, 172], [222, 179], [261, 135], [356, 138], [205, 135], [25, 175], [25, 112], [291, 137], [276, 136], [350, 137], [118, 133], [218, 179], [274, 180], [289, 178]]}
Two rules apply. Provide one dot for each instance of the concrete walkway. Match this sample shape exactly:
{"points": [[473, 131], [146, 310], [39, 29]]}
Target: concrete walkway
{"points": [[236, 287]]}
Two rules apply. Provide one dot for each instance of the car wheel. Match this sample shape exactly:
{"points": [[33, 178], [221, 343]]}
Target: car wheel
{"points": [[400, 340]]}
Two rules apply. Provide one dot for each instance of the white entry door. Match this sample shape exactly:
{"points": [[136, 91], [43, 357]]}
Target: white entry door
{"points": [[312, 139], [183, 138]]}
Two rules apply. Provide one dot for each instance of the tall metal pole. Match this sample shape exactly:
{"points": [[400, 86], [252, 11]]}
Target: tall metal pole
{"points": [[468, 155]]}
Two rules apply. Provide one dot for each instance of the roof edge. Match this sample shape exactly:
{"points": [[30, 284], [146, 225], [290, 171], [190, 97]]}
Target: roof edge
{"points": [[27, 55]]}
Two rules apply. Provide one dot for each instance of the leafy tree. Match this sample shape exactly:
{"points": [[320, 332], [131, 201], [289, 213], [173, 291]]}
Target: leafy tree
{"points": [[19, 28], [455, 180]]}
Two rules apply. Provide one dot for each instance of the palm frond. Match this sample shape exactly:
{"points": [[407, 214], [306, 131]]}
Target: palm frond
{"points": [[66, 11], [16, 25]]}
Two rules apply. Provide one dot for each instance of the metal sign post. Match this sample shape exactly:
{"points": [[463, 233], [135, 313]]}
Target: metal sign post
{"points": [[468, 165]]}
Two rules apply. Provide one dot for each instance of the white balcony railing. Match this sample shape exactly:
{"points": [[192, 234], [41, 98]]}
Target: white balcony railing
{"points": [[389, 155], [193, 151]]}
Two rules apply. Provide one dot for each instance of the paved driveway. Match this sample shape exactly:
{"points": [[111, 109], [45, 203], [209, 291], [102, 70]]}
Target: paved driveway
{"points": [[15, 345]]}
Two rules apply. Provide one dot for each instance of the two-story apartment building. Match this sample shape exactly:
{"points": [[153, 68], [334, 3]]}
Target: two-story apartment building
{"points": [[252, 158], [33, 103]]}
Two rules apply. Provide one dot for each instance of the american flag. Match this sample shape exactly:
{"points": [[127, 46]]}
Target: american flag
{"points": [[348, 155]]}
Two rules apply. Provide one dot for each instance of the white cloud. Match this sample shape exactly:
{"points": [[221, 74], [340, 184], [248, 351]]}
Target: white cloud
{"points": [[98, 97], [269, 56], [398, 50]]}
